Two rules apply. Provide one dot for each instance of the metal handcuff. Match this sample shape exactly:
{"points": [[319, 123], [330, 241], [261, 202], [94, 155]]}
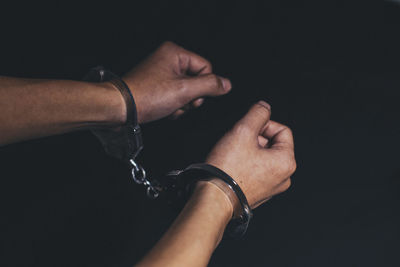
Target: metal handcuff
{"points": [[125, 143]]}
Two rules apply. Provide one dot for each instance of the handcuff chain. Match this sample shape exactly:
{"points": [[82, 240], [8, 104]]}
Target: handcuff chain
{"points": [[140, 177]]}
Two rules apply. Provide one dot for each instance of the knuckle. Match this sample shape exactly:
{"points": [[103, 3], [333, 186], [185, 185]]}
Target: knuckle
{"points": [[214, 80], [285, 129], [286, 185], [291, 165], [289, 131], [167, 44]]}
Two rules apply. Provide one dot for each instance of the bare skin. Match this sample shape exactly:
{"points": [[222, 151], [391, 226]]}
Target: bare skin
{"points": [[257, 152], [169, 82], [194, 235], [31, 108]]}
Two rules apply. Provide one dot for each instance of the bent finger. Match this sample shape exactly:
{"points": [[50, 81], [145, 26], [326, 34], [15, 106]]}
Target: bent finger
{"points": [[262, 141], [257, 117], [205, 85], [177, 114], [280, 135], [198, 102], [197, 65]]}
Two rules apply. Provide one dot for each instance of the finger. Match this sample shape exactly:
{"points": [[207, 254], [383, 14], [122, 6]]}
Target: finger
{"points": [[280, 136], [186, 107], [204, 85], [262, 141], [189, 62], [198, 65], [198, 102], [257, 117], [177, 114], [195, 64]]}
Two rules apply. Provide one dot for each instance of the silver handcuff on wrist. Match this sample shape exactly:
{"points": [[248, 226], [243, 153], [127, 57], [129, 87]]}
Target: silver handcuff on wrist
{"points": [[125, 143]]}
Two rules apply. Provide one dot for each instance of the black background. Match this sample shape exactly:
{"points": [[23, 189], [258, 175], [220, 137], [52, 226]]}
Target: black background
{"points": [[330, 70]]}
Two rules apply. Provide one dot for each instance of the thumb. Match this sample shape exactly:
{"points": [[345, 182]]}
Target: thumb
{"points": [[205, 85], [257, 117]]}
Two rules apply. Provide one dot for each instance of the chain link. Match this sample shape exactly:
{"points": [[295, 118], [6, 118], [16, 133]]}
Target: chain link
{"points": [[139, 176]]}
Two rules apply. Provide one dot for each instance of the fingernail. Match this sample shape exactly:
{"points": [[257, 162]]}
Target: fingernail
{"points": [[198, 102], [225, 84], [264, 104]]}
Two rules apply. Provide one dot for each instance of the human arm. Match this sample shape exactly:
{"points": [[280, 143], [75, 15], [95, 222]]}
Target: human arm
{"points": [[168, 82], [196, 232], [31, 108], [258, 153]]}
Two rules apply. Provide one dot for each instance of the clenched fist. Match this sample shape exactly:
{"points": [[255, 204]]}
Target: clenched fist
{"points": [[172, 80], [258, 153]]}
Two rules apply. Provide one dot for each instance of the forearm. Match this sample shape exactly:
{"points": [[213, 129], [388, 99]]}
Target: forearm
{"points": [[196, 232], [31, 108]]}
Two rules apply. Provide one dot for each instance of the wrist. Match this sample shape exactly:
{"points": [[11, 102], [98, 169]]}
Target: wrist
{"points": [[229, 194], [97, 105], [115, 112], [216, 199]]}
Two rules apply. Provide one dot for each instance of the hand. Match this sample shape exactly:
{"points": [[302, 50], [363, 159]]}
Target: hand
{"points": [[258, 153], [172, 80]]}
